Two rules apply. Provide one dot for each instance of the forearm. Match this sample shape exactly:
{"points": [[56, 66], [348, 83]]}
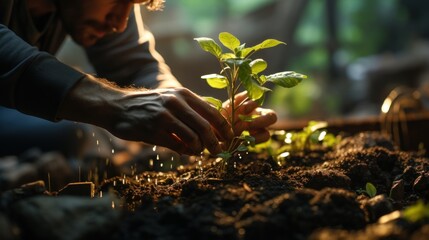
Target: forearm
{"points": [[94, 101], [175, 118]]}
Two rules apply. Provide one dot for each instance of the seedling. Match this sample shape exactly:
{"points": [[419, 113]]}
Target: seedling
{"points": [[238, 70], [417, 212], [370, 190], [312, 137]]}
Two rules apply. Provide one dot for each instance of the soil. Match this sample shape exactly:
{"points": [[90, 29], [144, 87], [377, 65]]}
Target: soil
{"points": [[312, 195]]}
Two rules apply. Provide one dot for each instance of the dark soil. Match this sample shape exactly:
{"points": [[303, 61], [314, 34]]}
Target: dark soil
{"points": [[313, 195]]}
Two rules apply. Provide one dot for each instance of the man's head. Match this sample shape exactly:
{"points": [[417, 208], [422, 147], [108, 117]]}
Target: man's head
{"points": [[89, 20]]}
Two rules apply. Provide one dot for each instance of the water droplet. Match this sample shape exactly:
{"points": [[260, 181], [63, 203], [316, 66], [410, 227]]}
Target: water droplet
{"points": [[101, 194], [157, 157], [151, 163], [154, 148], [113, 204], [113, 151], [114, 183]]}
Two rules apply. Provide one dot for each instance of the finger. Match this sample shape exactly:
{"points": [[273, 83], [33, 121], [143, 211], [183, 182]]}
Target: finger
{"points": [[238, 99], [260, 135], [246, 109], [186, 135], [211, 115], [204, 130], [267, 117], [197, 123], [171, 141]]}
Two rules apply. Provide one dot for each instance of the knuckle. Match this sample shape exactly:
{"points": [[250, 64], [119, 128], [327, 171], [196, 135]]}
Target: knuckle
{"points": [[169, 99], [184, 92]]}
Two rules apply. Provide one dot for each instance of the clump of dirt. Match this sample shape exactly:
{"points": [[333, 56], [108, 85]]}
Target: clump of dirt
{"points": [[319, 197]]}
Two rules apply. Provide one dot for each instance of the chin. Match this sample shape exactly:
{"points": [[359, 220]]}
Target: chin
{"points": [[85, 41]]}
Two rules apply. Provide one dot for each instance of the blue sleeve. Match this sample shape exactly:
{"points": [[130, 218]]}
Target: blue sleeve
{"points": [[32, 81], [129, 58]]}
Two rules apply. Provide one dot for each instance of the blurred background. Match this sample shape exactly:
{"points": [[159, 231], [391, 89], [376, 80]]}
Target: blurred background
{"points": [[354, 52]]}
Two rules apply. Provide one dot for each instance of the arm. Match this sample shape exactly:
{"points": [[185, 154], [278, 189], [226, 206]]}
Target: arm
{"points": [[29, 79], [173, 118], [36, 83], [130, 58]]}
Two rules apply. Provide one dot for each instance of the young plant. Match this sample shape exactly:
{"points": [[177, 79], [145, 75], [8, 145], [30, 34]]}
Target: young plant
{"points": [[238, 70], [416, 212], [370, 190], [313, 137]]}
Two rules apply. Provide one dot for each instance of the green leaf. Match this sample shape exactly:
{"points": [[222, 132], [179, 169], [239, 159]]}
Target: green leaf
{"points": [[286, 79], [416, 212], [209, 45], [216, 80], [215, 102], [247, 51], [258, 65], [239, 49], [316, 125], [254, 89], [229, 40], [247, 118], [370, 189], [262, 79], [269, 43], [260, 101], [224, 155], [226, 56], [242, 148], [250, 141], [238, 62]]}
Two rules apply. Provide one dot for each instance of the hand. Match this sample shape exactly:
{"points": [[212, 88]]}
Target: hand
{"points": [[258, 126], [174, 118]]}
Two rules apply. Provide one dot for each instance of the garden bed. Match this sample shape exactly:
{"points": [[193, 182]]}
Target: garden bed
{"points": [[316, 195], [312, 195]]}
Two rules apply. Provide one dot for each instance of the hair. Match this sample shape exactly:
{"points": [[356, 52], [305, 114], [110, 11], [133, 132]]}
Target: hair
{"points": [[154, 5]]}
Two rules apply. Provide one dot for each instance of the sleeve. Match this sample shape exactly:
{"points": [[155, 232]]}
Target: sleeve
{"points": [[32, 81], [130, 59]]}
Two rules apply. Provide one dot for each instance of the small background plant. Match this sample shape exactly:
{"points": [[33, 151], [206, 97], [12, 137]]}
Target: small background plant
{"points": [[370, 190], [312, 138], [416, 212], [238, 71]]}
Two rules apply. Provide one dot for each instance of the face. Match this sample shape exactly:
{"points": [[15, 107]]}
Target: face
{"points": [[89, 20]]}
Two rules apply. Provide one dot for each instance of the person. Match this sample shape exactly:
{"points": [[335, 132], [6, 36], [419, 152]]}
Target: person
{"points": [[134, 96]]}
